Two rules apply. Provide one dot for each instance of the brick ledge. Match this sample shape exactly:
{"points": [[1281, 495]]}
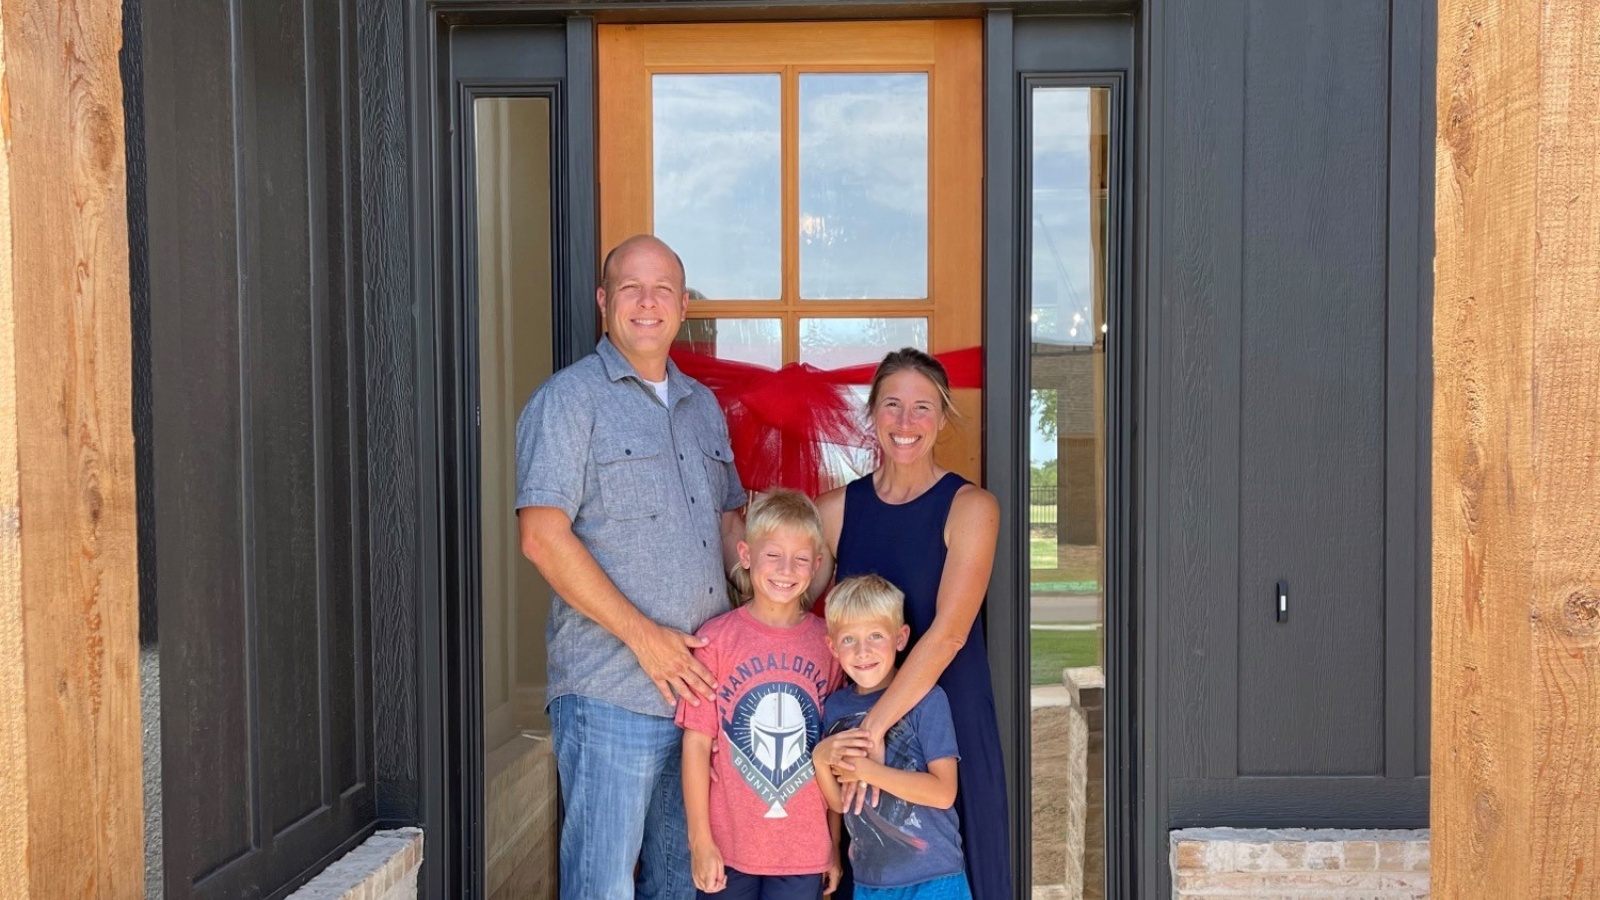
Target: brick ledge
{"points": [[382, 862]]}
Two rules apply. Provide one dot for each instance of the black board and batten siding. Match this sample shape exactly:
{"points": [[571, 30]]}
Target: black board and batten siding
{"points": [[1289, 207], [256, 416]]}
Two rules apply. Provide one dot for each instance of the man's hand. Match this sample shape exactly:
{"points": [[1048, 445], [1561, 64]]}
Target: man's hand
{"points": [[664, 654], [705, 863]]}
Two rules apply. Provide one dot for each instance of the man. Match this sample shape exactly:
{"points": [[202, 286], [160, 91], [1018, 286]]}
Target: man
{"points": [[626, 503]]}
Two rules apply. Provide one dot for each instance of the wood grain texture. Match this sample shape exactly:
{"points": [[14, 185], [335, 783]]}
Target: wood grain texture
{"points": [[1516, 470], [391, 406], [1284, 356], [1198, 443], [258, 397], [69, 682], [1312, 369]]}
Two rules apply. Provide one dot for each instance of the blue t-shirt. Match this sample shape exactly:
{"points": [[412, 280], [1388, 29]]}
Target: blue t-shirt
{"points": [[897, 843]]}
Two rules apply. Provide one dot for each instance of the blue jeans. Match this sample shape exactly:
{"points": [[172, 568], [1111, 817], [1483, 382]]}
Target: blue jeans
{"points": [[621, 803]]}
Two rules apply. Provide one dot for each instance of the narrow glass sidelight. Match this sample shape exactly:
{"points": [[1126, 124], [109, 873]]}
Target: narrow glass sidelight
{"points": [[515, 355], [1067, 261]]}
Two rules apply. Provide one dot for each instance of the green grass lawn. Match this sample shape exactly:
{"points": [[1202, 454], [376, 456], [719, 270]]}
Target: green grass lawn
{"points": [[1041, 552], [1070, 570], [1057, 650]]}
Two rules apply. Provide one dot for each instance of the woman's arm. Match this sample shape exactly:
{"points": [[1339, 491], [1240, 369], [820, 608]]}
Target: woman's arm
{"points": [[970, 535], [935, 787]]}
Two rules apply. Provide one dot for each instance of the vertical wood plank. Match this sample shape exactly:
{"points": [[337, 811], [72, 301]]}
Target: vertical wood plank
{"points": [[1516, 489], [1202, 283], [1311, 384], [1404, 525], [69, 723], [389, 414]]}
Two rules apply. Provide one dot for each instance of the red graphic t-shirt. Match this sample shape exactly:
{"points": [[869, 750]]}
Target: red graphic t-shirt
{"points": [[767, 813]]}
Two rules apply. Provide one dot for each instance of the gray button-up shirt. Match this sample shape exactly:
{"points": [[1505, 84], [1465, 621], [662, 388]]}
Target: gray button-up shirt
{"points": [[645, 485]]}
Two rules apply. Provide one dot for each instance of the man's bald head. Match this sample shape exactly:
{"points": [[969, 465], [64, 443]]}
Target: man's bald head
{"points": [[639, 243]]}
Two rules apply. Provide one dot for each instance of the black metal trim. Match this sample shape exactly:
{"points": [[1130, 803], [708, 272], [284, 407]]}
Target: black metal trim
{"points": [[466, 638], [1148, 826], [523, 11], [455, 750], [577, 322], [1315, 802], [1007, 354], [427, 42], [1002, 376]]}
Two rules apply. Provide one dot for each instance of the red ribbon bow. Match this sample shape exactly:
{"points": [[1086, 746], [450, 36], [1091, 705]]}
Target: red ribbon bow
{"points": [[782, 422]]}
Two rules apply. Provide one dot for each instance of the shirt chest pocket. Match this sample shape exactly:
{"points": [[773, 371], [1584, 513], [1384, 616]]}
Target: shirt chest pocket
{"points": [[630, 465], [717, 457]]}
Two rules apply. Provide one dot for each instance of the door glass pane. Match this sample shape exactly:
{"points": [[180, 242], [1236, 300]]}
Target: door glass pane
{"points": [[1066, 510], [758, 341], [837, 343], [864, 186], [718, 182], [515, 349]]}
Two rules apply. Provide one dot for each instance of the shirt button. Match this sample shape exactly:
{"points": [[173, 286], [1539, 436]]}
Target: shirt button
{"points": [[680, 456], [711, 590], [691, 499], [627, 452], [703, 543]]}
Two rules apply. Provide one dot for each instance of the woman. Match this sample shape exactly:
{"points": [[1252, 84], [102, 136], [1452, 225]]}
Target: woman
{"points": [[932, 533]]}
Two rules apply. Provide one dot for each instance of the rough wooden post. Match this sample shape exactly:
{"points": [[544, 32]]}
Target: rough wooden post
{"points": [[70, 819], [1516, 458]]}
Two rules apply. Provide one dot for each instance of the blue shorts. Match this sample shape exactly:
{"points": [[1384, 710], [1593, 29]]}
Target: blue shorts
{"points": [[945, 887]]}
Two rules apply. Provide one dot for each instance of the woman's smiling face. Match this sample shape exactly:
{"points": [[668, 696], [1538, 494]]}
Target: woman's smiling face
{"points": [[908, 417]]}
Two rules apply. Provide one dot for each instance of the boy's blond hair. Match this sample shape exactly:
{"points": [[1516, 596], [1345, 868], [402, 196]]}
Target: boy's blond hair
{"points": [[865, 597], [778, 508]]}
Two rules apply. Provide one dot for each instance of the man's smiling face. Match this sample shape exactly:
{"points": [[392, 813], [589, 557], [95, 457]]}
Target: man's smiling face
{"points": [[642, 300]]}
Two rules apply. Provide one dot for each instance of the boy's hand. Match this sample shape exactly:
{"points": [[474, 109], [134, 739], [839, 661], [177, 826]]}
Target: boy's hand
{"points": [[705, 863], [858, 793], [830, 878], [838, 751]]}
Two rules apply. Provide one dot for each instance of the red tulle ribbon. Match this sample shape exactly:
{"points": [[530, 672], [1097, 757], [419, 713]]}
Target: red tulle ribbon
{"points": [[783, 422]]}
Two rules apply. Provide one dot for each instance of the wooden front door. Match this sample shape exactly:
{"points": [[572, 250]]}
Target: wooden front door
{"points": [[821, 180]]}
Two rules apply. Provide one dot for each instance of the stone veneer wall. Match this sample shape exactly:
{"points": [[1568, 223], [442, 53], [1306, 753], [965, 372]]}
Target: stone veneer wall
{"points": [[384, 867], [522, 825], [1297, 862], [1068, 787]]}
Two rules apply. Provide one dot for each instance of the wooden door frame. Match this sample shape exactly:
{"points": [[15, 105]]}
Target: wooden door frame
{"points": [[947, 50]]}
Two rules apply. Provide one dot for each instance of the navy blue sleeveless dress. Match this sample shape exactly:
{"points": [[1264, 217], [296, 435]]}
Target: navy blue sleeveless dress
{"points": [[904, 543]]}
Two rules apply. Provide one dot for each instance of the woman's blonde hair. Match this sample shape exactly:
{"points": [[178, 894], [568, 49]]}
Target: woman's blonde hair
{"points": [[775, 509], [865, 597]]}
